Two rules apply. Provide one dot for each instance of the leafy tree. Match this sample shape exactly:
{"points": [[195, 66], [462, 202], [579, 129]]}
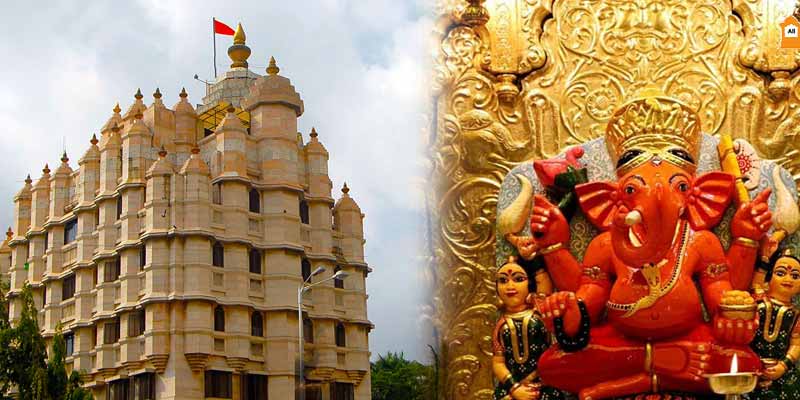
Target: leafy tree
{"points": [[74, 389], [23, 357], [394, 377], [26, 351]]}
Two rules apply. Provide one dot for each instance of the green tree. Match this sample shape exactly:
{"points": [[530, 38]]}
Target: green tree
{"points": [[23, 357], [394, 377], [59, 385], [27, 352]]}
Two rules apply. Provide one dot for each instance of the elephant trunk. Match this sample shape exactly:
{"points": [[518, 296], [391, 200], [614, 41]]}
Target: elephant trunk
{"points": [[512, 219]]}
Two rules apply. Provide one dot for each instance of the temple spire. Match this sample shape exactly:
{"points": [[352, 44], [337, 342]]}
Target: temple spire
{"points": [[273, 69], [239, 52], [239, 37]]}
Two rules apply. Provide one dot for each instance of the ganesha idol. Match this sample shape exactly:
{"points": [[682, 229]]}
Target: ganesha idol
{"points": [[645, 291]]}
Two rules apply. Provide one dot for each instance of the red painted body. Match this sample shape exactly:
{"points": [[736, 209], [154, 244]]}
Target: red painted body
{"points": [[673, 206]]}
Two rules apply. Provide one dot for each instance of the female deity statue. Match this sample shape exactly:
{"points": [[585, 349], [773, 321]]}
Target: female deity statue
{"points": [[519, 337], [777, 339]]}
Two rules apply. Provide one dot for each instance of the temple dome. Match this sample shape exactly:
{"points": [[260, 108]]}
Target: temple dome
{"points": [[273, 89]]}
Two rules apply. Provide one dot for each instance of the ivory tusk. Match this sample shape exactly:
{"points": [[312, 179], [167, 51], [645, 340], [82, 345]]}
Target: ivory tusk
{"points": [[786, 215], [512, 219], [632, 218]]}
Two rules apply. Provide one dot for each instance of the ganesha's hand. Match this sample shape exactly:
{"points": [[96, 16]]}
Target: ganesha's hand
{"points": [[560, 305], [526, 392], [548, 225], [682, 360], [525, 245], [734, 331], [753, 219]]}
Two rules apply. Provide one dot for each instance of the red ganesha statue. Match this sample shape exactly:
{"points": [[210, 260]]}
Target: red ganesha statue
{"points": [[645, 309]]}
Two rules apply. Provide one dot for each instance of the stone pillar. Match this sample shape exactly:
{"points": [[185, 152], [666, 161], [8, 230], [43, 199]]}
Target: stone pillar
{"points": [[161, 122], [185, 127], [319, 195]]}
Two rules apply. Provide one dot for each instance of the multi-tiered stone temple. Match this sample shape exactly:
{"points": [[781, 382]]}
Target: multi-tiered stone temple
{"points": [[171, 253]]}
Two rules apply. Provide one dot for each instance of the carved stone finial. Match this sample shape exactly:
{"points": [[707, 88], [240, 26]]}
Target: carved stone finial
{"points": [[46, 169], [162, 152], [138, 95], [157, 93], [138, 115], [117, 109], [94, 140], [183, 94], [475, 14], [64, 158], [239, 52], [28, 179], [273, 69], [115, 128], [9, 233], [313, 133], [345, 189], [239, 37]]}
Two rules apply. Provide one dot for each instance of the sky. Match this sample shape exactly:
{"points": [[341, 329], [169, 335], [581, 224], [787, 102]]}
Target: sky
{"points": [[359, 66]]}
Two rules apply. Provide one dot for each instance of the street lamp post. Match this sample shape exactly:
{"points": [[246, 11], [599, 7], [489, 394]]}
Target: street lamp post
{"points": [[304, 287]]}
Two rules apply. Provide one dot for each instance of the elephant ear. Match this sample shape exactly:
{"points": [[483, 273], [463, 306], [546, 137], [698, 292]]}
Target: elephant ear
{"points": [[599, 203], [709, 198]]}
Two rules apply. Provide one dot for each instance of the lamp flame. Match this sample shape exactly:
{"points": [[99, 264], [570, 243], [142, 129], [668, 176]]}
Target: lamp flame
{"points": [[735, 364]]}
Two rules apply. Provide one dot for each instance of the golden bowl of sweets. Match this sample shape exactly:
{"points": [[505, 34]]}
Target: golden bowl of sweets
{"points": [[738, 304]]}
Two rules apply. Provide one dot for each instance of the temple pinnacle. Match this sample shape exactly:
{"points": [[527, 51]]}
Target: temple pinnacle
{"points": [[117, 109], [313, 133], [273, 69], [138, 95], [239, 52], [64, 158], [9, 233], [28, 179], [183, 93], [157, 94], [239, 37], [94, 140], [345, 189], [46, 169], [162, 152]]}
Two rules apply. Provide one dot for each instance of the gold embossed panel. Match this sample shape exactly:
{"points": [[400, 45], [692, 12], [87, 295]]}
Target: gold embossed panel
{"points": [[542, 75]]}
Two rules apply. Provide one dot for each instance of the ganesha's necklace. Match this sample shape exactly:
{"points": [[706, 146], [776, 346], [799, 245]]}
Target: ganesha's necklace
{"points": [[652, 274], [526, 318]]}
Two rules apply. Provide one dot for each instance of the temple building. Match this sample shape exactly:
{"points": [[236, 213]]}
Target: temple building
{"points": [[171, 253]]}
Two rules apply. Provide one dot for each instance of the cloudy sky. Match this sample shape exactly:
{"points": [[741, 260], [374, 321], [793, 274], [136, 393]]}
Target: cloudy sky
{"points": [[360, 67]]}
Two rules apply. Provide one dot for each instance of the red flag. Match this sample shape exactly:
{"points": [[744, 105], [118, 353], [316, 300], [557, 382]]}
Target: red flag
{"points": [[222, 29]]}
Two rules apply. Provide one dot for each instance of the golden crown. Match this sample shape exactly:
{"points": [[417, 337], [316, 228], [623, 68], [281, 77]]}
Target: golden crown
{"points": [[655, 124]]}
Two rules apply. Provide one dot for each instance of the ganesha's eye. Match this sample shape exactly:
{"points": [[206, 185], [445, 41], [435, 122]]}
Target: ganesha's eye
{"points": [[683, 187], [630, 190]]}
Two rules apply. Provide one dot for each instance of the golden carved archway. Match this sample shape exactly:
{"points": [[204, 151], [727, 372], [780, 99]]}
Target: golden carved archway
{"points": [[541, 75]]}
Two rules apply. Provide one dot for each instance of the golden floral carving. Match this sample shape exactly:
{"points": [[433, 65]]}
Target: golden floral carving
{"points": [[542, 75]]}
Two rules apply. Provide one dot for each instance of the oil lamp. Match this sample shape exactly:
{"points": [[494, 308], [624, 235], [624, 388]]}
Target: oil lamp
{"points": [[733, 384]]}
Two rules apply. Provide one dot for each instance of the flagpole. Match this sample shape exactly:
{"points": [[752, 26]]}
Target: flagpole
{"points": [[214, 35]]}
